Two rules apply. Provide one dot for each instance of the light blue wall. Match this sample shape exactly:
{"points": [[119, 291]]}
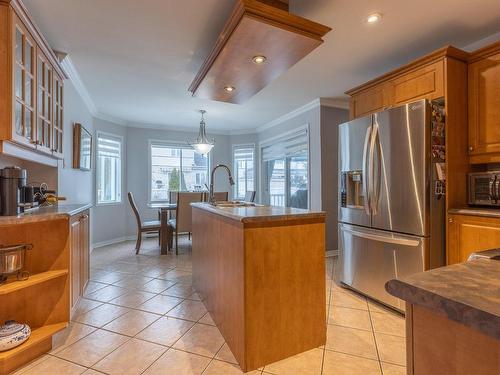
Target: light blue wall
{"points": [[111, 221], [74, 184]]}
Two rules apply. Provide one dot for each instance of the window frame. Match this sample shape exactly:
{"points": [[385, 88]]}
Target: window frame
{"points": [[97, 169], [235, 169], [173, 144]]}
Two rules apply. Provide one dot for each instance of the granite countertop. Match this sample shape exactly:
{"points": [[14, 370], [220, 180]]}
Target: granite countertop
{"points": [[468, 293], [45, 213], [261, 213], [476, 211]]}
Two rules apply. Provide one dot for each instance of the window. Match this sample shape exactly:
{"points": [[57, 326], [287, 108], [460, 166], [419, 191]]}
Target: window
{"points": [[286, 167], [243, 162], [176, 168], [109, 168]]}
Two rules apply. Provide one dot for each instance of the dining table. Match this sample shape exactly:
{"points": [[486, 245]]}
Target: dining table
{"points": [[165, 231]]}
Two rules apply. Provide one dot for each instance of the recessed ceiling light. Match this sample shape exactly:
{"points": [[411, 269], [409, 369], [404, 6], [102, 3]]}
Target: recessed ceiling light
{"points": [[229, 88], [374, 18], [259, 59]]}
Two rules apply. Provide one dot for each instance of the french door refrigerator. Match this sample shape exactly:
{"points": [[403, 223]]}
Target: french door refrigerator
{"points": [[391, 212]]}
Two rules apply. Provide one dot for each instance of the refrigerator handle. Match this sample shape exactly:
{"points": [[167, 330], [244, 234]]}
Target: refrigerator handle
{"points": [[375, 179], [392, 238], [365, 172]]}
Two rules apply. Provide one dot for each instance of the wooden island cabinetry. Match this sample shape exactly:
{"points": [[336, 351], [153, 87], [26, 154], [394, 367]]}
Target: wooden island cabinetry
{"points": [[260, 272], [57, 261], [31, 85]]}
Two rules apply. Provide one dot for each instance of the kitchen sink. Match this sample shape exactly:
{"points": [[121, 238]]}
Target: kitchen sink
{"points": [[223, 204]]}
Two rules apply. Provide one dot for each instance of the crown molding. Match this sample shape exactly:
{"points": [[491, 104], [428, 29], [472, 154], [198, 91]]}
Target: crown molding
{"points": [[315, 103], [243, 131], [156, 126], [334, 103], [73, 75], [327, 102], [110, 118]]}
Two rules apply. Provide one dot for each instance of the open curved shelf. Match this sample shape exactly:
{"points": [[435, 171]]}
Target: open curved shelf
{"points": [[37, 336], [16, 285]]}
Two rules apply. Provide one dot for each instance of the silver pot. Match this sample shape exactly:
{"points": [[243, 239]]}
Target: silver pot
{"points": [[12, 259]]}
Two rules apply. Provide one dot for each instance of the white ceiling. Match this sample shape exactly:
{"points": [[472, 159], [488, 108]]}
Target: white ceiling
{"points": [[137, 58]]}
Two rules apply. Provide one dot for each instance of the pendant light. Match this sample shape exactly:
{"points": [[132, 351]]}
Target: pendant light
{"points": [[202, 144]]}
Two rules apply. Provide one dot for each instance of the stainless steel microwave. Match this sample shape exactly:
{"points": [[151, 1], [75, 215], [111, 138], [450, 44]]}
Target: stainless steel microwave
{"points": [[484, 188]]}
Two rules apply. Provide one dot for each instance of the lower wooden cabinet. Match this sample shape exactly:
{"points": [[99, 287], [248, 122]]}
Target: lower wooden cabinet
{"points": [[80, 256], [468, 234]]}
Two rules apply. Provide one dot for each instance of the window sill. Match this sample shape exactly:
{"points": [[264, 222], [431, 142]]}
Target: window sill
{"points": [[107, 204]]}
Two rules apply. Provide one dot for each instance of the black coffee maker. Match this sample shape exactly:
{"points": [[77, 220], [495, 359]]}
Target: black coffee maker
{"points": [[13, 191]]}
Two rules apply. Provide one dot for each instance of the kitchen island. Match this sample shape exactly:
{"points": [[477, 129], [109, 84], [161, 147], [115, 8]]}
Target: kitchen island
{"points": [[261, 273], [452, 318]]}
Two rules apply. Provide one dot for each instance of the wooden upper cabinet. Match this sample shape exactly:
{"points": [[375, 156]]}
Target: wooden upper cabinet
{"points": [[368, 101], [31, 110], [484, 105], [424, 83], [421, 79], [469, 234]]}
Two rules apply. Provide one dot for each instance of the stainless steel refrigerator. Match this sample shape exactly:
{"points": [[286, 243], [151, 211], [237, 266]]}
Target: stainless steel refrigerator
{"points": [[391, 206]]}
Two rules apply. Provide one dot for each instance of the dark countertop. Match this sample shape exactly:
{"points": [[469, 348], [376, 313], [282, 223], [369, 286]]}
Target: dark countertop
{"points": [[45, 213], [476, 211], [260, 214], [468, 293]]}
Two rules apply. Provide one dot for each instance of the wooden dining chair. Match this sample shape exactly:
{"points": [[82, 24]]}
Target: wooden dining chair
{"points": [[250, 196], [221, 196], [182, 222], [142, 226]]}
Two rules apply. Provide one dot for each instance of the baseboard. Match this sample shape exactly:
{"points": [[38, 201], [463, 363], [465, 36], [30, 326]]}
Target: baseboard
{"points": [[112, 242], [332, 253]]}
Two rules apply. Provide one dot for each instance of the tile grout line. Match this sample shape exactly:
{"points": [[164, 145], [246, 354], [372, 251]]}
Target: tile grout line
{"points": [[328, 313], [375, 341]]}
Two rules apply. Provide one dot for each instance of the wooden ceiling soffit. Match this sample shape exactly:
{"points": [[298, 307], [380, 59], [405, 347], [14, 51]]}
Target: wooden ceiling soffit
{"points": [[255, 28]]}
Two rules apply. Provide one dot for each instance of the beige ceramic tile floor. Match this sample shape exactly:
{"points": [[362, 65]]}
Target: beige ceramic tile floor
{"points": [[140, 315]]}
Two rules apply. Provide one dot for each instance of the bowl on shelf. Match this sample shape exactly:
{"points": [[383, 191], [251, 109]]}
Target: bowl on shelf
{"points": [[13, 334], [12, 260]]}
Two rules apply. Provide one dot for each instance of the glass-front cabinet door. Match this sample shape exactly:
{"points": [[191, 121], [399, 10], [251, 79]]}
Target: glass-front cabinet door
{"points": [[45, 86], [24, 85], [57, 128]]}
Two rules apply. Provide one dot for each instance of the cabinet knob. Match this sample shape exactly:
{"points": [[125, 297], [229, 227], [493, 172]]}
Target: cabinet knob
{"points": [[450, 220], [471, 148]]}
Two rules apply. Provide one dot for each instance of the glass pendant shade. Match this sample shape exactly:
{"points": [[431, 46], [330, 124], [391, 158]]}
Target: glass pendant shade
{"points": [[202, 144]]}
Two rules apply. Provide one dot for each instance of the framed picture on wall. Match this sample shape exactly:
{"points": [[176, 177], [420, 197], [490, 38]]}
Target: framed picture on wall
{"points": [[82, 148]]}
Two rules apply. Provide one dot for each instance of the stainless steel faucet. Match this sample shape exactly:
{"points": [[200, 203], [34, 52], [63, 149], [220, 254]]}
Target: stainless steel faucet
{"points": [[212, 175]]}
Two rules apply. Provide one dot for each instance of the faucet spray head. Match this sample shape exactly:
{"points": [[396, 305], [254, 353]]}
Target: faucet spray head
{"points": [[231, 181]]}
